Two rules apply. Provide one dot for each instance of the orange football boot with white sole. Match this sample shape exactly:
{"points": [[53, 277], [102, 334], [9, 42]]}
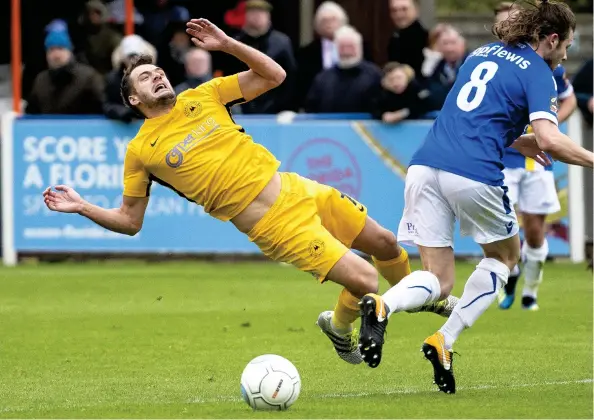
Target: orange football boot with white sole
{"points": [[442, 360]]}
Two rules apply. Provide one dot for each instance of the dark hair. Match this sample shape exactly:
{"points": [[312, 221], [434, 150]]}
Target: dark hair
{"points": [[535, 22], [126, 88]]}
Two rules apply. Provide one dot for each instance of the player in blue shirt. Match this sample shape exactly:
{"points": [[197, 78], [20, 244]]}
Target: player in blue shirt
{"points": [[532, 190], [457, 175]]}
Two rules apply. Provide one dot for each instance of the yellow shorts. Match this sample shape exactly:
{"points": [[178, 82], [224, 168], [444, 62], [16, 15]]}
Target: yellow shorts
{"points": [[310, 226]]}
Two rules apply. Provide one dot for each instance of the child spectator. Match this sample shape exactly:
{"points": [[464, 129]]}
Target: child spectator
{"points": [[402, 96]]}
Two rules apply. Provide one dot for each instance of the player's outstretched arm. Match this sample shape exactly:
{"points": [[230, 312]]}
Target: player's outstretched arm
{"points": [[559, 146], [127, 219], [264, 74]]}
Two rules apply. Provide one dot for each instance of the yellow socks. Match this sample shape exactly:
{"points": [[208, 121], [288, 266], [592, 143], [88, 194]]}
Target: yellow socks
{"points": [[346, 311], [394, 270]]}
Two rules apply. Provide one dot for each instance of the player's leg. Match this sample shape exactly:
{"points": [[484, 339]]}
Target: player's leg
{"points": [[486, 214], [534, 254], [479, 293], [391, 260], [345, 219], [540, 200], [482, 286], [358, 278], [427, 221], [514, 180], [292, 232]]}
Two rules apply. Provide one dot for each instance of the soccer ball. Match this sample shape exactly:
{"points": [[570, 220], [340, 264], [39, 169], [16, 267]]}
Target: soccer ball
{"points": [[270, 382]]}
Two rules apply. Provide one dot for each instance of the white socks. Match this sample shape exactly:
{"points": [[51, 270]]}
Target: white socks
{"points": [[480, 291], [417, 289], [534, 259]]}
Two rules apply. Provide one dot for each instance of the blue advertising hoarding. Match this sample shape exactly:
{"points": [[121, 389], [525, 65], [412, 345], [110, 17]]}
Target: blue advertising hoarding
{"points": [[364, 159]]}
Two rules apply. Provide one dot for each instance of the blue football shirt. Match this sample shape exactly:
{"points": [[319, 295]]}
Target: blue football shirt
{"points": [[499, 90]]}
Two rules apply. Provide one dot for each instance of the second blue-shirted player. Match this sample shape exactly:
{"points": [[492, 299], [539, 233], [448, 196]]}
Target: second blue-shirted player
{"points": [[457, 175], [532, 190]]}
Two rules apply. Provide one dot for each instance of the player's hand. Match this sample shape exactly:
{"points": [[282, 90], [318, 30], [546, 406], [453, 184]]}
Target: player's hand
{"points": [[591, 105], [207, 35], [64, 199], [526, 144]]}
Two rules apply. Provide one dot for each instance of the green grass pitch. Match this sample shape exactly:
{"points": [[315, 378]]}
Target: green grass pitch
{"points": [[169, 340]]}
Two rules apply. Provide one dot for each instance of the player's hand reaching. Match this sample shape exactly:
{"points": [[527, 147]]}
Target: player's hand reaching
{"points": [[207, 35], [64, 199], [526, 144]]}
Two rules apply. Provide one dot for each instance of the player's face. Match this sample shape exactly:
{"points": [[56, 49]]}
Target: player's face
{"points": [[558, 52], [151, 86]]}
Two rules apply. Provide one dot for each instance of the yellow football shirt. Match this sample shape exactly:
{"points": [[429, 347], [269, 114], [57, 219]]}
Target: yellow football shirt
{"points": [[198, 151]]}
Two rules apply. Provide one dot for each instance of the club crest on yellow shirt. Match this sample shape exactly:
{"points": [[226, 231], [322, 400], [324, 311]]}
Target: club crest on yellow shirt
{"points": [[192, 109]]}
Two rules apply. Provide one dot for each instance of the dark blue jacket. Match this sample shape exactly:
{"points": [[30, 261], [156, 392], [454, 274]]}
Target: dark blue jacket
{"points": [[339, 90]]}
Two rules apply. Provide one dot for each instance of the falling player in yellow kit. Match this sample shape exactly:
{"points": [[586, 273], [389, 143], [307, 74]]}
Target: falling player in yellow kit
{"points": [[191, 144]]}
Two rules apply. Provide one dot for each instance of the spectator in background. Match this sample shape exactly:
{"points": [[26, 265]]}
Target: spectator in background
{"points": [[402, 97], [452, 47], [582, 85], [130, 47], [410, 37], [99, 39], [320, 54], [351, 84], [430, 52], [198, 69], [259, 34], [156, 16], [174, 46], [66, 87]]}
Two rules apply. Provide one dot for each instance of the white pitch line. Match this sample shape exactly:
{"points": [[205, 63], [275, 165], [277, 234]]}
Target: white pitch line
{"points": [[404, 391]]}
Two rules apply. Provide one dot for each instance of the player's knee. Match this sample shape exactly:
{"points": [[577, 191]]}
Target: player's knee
{"points": [[387, 246], [534, 238], [534, 232], [446, 280], [510, 257]]}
